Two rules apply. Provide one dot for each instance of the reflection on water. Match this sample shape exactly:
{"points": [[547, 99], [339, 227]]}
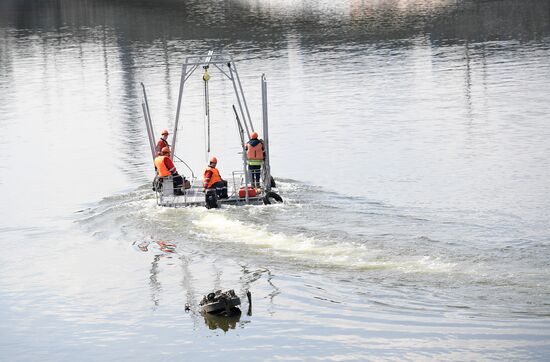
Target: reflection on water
{"points": [[251, 276], [155, 284], [320, 22], [409, 139], [114, 52], [165, 252], [224, 322]]}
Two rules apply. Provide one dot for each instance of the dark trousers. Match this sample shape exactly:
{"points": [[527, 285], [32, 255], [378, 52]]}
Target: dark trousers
{"points": [[255, 172], [221, 189], [178, 182]]}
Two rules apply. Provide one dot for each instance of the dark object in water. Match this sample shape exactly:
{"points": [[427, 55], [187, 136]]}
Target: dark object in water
{"points": [[272, 198], [249, 297], [220, 303]]}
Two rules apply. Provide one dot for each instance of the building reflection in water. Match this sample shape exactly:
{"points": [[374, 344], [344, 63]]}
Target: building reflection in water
{"points": [[165, 250], [154, 282], [127, 32]]}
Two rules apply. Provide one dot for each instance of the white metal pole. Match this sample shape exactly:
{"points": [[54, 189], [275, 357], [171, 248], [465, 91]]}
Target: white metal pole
{"points": [[148, 122], [244, 99], [182, 82], [147, 125], [245, 168], [267, 166], [230, 66]]}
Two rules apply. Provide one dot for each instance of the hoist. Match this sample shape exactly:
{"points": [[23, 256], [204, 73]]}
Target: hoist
{"points": [[206, 78]]}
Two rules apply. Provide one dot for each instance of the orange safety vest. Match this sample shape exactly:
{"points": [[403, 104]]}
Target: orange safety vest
{"points": [[161, 167], [215, 176], [255, 152]]}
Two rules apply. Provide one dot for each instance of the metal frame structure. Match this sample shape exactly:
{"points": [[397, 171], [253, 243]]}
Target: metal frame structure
{"points": [[225, 64]]}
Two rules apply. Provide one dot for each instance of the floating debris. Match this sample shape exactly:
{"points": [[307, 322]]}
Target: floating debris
{"points": [[155, 245], [221, 303]]}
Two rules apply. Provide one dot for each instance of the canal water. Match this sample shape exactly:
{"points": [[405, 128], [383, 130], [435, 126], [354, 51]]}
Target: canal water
{"points": [[409, 139]]}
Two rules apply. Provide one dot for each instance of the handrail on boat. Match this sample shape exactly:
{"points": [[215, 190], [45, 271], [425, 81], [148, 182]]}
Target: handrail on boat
{"points": [[195, 195]]}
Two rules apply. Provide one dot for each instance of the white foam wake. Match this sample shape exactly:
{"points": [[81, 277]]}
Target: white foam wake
{"points": [[217, 227]]}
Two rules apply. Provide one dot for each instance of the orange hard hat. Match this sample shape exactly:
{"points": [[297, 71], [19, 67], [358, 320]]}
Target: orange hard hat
{"points": [[164, 132], [253, 135], [213, 160], [165, 150]]}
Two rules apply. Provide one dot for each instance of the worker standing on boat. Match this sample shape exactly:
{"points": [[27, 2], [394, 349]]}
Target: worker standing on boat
{"points": [[165, 167], [213, 180], [163, 142], [255, 154]]}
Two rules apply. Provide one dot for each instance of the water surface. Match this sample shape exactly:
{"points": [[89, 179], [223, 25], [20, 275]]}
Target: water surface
{"points": [[409, 140]]}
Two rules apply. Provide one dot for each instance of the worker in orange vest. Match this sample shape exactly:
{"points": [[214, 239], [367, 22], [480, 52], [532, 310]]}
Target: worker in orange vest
{"points": [[165, 167], [163, 142], [255, 155], [213, 180]]}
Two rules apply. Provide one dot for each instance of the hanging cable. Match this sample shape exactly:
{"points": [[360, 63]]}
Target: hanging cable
{"points": [[206, 78]]}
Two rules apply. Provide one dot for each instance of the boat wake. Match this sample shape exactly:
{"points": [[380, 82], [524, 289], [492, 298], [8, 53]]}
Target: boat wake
{"points": [[318, 231], [296, 232]]}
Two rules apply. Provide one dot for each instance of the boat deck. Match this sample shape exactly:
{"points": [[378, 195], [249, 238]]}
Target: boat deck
{"points": [[195, 196]]}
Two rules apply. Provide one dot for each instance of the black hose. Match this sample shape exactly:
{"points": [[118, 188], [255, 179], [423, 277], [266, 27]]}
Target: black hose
{"points": [[249, 296], [182, 161]]}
